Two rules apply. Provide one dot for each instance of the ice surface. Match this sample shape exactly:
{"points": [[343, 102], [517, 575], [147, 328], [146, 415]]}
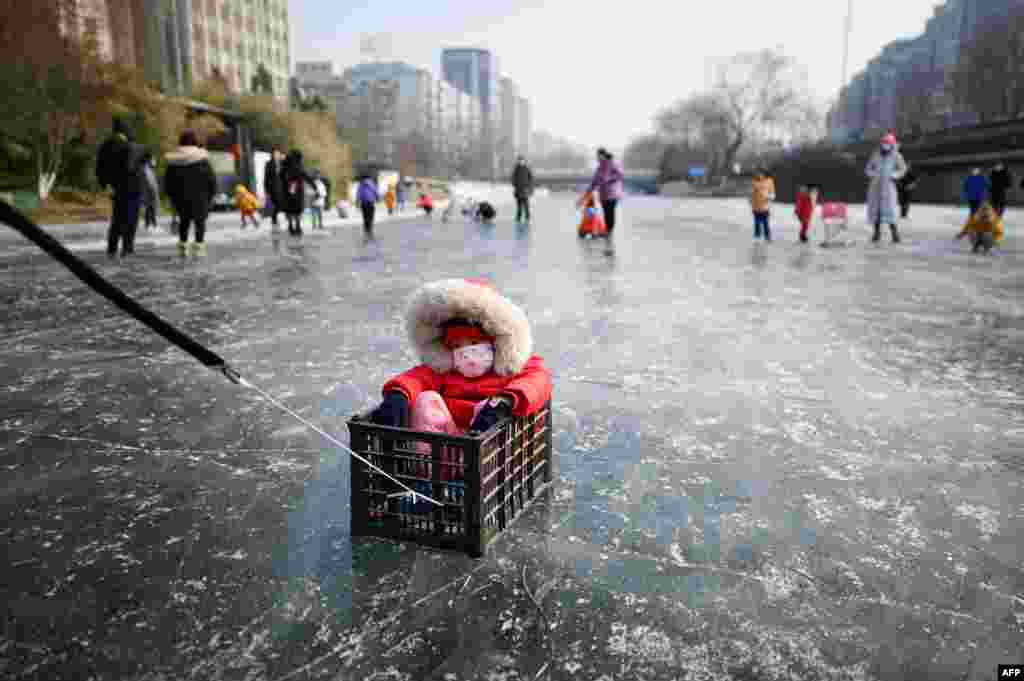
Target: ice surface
{"points": [[769, 457]]}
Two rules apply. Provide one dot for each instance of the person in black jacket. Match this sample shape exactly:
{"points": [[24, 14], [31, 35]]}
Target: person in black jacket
{"points": [[905, 190], [295, 175], [522, 183], [191, 185], [119, 166], [999, 181], [273, 183]]}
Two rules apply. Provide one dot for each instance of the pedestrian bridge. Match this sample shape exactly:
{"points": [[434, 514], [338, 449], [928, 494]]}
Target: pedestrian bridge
{"points": [[638, 180]]}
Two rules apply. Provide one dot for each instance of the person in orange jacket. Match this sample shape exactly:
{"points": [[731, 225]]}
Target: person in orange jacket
{"points": [[985, 228], [248, 204], [762, 193], [478, 365], [389, 199]]}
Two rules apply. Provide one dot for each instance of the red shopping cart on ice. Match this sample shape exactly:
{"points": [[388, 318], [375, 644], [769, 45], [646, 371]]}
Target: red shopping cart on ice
{"points": [[835, 220]]}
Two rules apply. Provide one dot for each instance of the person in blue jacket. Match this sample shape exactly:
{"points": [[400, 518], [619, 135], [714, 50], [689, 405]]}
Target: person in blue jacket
{"points": [[975, 190]]}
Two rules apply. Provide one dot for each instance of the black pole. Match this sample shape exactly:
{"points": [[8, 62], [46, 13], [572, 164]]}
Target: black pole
{"points": [[96, 282]]}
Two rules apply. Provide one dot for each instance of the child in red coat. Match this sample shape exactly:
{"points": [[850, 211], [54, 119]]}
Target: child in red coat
{"points": [[806, 202], [426, 202], [478, 367]]}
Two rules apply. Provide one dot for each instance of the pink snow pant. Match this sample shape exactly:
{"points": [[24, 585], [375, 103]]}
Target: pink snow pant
{"points": [[430, 414]]}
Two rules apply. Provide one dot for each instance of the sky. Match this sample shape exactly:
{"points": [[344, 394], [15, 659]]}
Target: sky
{"points": [[597, 73]]}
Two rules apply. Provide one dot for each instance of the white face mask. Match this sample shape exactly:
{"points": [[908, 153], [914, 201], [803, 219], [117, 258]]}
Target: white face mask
{"points": [[473, 361]]}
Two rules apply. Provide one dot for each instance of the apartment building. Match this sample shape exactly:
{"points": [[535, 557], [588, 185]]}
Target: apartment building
{"points": [[868, 103], [176, 42], [235, 37], [393, 102]]}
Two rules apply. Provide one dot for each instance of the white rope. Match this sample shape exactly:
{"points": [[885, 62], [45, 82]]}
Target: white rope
{"points": [[333, 440]]}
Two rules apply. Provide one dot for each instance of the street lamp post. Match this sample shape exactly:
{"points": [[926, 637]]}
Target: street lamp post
{"points": [[846, 45]]}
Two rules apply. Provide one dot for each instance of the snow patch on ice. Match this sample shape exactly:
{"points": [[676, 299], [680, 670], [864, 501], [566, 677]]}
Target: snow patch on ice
{"points": [[641, 643], [871, 504], [823, 509], [986, 517]]}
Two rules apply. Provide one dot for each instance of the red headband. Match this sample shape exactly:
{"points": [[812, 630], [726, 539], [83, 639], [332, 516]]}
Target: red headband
{"points": [[457, 334]]}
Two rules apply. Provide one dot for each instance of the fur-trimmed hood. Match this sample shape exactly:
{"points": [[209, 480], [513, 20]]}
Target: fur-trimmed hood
{"points": [[476, 301], [186, 156]]}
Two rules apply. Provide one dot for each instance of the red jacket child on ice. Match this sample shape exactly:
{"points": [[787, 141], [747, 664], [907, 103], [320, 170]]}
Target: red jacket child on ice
{"points": [[806, 202], [478, 362]]}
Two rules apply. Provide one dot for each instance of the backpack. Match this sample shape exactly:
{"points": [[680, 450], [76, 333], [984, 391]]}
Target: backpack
{"points": [[134, 169]]}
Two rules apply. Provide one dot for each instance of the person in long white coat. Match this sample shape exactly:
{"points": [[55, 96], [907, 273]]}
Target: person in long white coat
{"points": [[885, 169]]}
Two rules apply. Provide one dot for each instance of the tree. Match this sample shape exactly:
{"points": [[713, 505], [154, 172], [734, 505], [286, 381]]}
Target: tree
{"points": [[645, 152], [264, 115], [53, 87], [988, 80], [758, 96], [262, 81], [313, 103]]}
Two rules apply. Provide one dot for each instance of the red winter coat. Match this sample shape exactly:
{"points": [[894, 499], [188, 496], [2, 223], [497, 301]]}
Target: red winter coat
{"points": [[529, 390], [804, 207]]}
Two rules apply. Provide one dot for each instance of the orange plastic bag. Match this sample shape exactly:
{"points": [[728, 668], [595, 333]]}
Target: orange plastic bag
{"points": [[592, 222]]}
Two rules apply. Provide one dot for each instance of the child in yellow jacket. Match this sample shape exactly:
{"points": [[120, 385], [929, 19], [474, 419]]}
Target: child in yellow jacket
{"points": [[248, 204], [762, 193], [985, 228]]}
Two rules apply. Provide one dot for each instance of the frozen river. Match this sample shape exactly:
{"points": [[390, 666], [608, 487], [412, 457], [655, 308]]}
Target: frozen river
{"points": [[773, 461]]}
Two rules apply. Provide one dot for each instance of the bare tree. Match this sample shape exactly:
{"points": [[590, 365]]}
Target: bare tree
{"points": [[645, 152], [758, 96]]}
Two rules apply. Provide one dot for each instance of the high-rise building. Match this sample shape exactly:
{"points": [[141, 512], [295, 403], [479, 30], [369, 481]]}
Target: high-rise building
{"points": [[475, 72], [868, 104], [238, 37], [399, 106], [177, 42], [508, 141], [525, 123]]}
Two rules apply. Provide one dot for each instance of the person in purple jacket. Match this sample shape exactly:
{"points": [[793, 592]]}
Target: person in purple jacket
{"points": [[367, 197], [608, 182]]}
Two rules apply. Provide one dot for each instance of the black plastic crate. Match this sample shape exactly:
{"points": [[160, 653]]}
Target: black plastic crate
{"points": [[484, 482]]}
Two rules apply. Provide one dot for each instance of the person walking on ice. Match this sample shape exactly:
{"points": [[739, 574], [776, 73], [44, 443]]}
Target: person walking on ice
{"points": [[319, 200], [522, 184], [191, 185], [367, 197], [975, 190], [1000, 181], [607, 181], [248, 204], [885, 168], [762, 193], [151, 190]]}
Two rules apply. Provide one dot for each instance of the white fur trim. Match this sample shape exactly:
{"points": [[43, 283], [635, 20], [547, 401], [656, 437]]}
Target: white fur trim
{"points": [[437, 302], [184, 156]]}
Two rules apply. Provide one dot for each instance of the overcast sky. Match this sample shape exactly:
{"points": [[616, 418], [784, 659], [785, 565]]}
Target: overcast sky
{"points": [[597, 74]]}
